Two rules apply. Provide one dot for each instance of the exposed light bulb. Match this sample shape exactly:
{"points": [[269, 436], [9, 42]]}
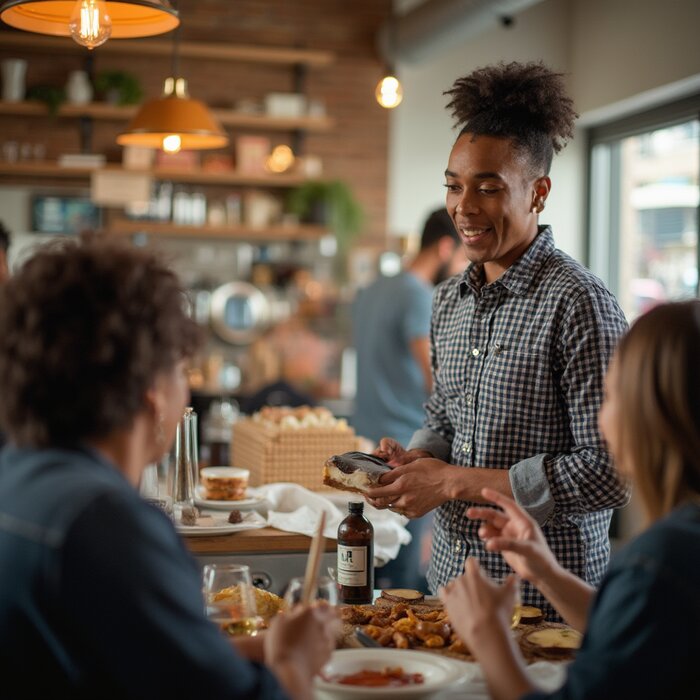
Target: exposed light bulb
{"points": [[90, 25], [172, 143], [280, 160], [389, 92]]}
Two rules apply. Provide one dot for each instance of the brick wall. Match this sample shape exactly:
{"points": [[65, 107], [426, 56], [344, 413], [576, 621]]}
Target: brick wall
{"points": [[355, 150]]}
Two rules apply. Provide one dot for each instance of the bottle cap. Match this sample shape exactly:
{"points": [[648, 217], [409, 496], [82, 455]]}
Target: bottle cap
{"points": [[356, 506]]}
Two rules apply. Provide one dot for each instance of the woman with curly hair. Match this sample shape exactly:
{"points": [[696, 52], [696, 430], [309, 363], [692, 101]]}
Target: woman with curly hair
{"points": [[99, 597], [641, 627], [520, 344]]}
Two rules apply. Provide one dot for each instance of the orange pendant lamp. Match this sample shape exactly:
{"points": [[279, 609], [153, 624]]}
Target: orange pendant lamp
{"points": [[91, 22], [174, 121]]}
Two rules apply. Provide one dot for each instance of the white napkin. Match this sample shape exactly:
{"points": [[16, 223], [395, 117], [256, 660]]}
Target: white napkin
{"points": [[295, 509]]}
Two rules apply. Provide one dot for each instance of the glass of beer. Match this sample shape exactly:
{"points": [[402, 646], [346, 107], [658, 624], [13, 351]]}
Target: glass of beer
{"points": [[229, 599]]}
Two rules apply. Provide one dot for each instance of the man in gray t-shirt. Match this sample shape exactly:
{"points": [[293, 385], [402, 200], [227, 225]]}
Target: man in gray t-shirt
{"points": [[391, 334]]}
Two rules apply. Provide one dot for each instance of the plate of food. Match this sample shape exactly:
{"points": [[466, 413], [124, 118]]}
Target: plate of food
{"points": [[220, 524], [380, 674], [249, 502]]}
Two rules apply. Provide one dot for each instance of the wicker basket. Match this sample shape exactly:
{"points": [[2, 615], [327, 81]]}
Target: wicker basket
{"points": [[297, 456]]}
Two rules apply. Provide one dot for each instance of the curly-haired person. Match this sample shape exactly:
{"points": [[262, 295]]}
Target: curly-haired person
{"points": [[519, 345], [99, 596]]}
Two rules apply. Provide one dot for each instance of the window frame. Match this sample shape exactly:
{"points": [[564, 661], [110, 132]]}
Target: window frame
{"points": [[603, 161]]}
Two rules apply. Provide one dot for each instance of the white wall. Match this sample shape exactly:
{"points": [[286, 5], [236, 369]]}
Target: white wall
{"points": [[619, 55]]}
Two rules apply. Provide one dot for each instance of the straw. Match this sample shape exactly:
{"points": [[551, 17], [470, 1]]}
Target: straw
{"points": [[313, 562]]}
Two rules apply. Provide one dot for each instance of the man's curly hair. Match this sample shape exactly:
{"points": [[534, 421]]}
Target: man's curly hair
{"points": [[526, 102], [85, 328]]}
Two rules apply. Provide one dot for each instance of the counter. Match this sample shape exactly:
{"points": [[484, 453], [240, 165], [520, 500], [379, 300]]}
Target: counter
{"points": [[274, 556]]}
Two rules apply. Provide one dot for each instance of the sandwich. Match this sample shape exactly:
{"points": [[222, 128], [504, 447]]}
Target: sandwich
{"points": [[354, 471]]}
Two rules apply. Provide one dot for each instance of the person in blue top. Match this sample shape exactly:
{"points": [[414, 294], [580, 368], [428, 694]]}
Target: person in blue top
{"points": [[98, 596], [391, 335], [641, 627]]}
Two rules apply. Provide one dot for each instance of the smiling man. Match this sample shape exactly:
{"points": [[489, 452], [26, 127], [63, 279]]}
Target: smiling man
{"points": [[519, 346]]}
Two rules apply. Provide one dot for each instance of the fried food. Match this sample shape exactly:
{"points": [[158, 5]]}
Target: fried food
{"points": [[268, 604]]}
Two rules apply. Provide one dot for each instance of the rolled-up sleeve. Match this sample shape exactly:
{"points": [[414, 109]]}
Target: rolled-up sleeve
{"points": [[582, 480]]}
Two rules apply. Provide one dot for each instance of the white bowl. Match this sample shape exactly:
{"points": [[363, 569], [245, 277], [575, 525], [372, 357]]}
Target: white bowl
{"points": [[439, 672], [224, 473]]}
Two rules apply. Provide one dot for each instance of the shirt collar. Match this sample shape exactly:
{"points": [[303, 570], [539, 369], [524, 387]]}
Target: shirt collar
{"points": [[518, 277]]}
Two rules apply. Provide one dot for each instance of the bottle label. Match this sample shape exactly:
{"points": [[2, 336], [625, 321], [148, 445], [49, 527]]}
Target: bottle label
{"points": [[352, 566]]}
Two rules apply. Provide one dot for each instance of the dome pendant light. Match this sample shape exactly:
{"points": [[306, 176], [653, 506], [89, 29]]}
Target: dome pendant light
{"points": [[91, 22], [174, 121]]}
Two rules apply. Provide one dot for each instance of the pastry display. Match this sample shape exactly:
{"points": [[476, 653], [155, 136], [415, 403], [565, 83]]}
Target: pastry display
{"points": [[354, 471], [279, 443]]}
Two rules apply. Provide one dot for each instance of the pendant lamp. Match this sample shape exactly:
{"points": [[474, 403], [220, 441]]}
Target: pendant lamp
{"points": [[91, 22], [174, 121]]}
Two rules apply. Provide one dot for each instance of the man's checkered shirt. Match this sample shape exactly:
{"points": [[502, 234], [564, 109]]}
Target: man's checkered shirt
{"points": [[518, 367]]}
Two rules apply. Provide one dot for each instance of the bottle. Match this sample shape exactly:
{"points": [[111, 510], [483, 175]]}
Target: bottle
{"points": [[355, 569], [185, 462]]}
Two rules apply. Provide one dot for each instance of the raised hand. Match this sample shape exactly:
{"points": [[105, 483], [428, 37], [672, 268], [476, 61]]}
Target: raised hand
{"points": [[513, 533]]}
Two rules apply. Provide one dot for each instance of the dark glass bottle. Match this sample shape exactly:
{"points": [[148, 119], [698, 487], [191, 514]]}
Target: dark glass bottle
{"points": [[355, 568]]}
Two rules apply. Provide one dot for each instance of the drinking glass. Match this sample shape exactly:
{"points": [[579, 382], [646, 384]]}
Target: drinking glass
{"points": [[229, 598], [517, 604], [326, 589]]}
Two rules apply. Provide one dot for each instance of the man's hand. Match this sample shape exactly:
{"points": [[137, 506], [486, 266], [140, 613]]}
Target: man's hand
{"points": [[415, 488], [395, 454]]}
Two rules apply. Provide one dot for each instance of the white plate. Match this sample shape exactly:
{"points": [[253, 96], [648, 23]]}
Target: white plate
{"points": [[244, 504], [439, 672], [251, 521]]}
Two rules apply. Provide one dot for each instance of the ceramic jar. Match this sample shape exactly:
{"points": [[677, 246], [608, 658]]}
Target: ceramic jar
{"points": [[78, 88]]}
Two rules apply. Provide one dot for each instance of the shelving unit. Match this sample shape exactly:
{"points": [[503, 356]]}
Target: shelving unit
{"points": [[128, 227], [227, 117], [148, 47], [51, 170]]}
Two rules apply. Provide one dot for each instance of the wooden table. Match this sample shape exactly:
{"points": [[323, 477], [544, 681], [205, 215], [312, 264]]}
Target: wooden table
{"points": [[261, 541]]}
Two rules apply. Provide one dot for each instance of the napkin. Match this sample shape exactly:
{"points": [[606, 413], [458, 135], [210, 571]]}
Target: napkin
{"points": [[294, 508]]}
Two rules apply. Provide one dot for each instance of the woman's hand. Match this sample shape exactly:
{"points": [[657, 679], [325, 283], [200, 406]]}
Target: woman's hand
{"points": [[395, 454], [513, 533], [298, 644], [479, 608]]}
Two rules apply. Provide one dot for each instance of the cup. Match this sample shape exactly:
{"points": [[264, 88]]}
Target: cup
{"points": [[326, 590], [14, 71], [517, 604], [229, 599]]}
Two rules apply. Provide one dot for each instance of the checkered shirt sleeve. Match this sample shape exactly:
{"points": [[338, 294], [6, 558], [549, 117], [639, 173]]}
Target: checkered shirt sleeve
{"points": [[518, 374]]}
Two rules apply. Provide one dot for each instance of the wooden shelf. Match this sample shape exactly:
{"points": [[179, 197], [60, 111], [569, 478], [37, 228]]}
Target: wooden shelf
{"points": [[49, 169], [189, 49], [227, 117], [165, 229]]}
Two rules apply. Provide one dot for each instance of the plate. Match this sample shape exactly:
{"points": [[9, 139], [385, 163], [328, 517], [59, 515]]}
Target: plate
{"points": [[251, 521], [244, 504], [439, 672]]}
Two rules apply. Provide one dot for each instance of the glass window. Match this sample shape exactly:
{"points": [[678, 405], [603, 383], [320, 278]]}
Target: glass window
{"points": [[644, 187]]}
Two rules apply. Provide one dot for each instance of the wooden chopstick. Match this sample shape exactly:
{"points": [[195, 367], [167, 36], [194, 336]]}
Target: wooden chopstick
{"points": [[313, 562]]}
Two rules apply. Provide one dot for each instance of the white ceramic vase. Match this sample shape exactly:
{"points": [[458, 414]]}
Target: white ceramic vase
{"points": [[14, 71], [78, 88]]}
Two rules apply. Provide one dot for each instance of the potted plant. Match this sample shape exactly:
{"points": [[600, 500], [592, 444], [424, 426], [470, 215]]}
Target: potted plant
{"points": [[119, 87], [330, 203], [51, 95]]}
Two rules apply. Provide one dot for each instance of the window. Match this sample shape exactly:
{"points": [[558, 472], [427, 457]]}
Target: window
{"points": [[644, 203]]}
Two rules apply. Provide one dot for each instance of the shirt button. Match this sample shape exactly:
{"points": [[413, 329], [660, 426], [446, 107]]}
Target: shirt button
{"points": [[475, 352], [467, 447], [469, 399], [458, 547]]}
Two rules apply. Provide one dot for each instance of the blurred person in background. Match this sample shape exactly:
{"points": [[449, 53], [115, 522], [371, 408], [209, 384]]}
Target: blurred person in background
{"points": [[4, 250], [641, 626], [391, 335], [100, 597]]}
